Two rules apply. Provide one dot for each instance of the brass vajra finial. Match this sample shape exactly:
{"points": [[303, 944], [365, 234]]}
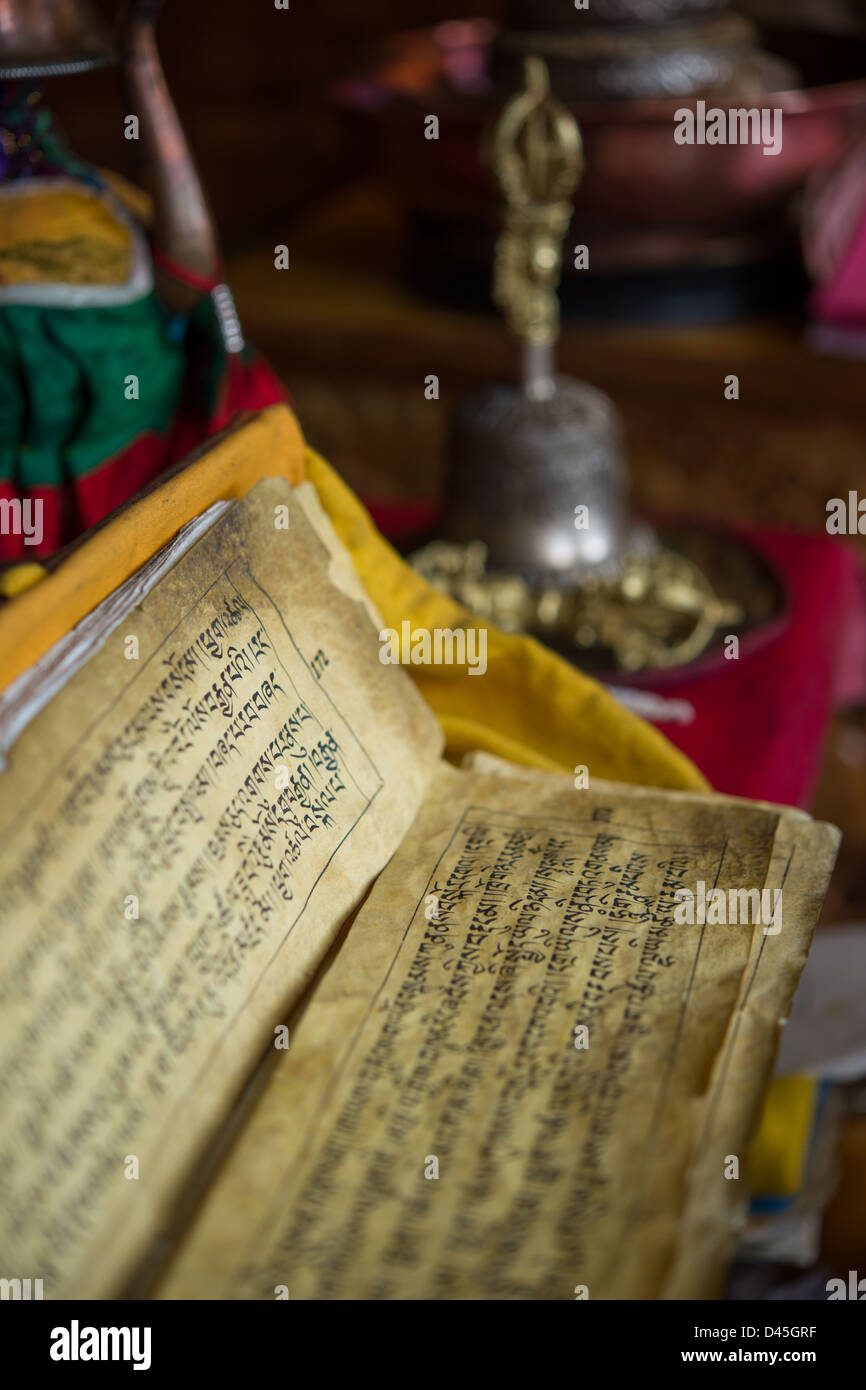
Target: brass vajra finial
{"points": [[537, 156]]}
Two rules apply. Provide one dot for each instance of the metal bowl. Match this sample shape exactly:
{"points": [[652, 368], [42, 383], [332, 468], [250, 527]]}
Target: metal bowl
{"points": [[51, 38], [645, 203], [560, 14]]}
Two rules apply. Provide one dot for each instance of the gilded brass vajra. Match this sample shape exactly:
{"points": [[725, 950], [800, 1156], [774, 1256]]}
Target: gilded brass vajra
{"points": [[537, 156]]}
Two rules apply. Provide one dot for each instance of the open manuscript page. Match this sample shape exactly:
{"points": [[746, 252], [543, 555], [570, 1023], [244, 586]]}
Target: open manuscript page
{"points": [[520, 1077], [183, 830]]}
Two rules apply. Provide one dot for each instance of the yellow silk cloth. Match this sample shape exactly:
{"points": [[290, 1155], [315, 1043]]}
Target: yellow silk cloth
{"points": [[61, 235], [530, 706], [778, 1155]]}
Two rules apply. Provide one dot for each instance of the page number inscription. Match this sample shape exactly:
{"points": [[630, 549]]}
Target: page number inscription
{"points": [[318, 664]]}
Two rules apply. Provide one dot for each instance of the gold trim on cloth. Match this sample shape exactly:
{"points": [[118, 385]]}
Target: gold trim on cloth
{"points": [[64, 243]]}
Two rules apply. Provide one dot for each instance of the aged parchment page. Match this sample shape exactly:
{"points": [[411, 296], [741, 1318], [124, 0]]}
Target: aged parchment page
{"points": [[183, 830], [505, 1081], [716, 1207], [804, 853]]}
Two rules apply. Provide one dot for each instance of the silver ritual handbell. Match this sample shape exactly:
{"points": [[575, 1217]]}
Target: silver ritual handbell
{"points": [[536, 469]]}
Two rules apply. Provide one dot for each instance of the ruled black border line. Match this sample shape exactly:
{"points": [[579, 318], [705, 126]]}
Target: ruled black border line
{"points": [[650, 1142], [107, 711], [727, 1054], [368, 801], [281, 1201]]}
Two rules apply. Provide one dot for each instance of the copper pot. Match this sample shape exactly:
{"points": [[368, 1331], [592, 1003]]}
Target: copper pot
{"points": [[601, 63], [645, 202], [561, 14]]}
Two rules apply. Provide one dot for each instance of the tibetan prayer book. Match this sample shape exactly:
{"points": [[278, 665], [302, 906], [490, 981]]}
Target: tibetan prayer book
{"points": [[290, 1007]]}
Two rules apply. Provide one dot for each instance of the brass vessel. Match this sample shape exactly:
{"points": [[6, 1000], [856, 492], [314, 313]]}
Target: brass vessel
{"points": [[50, 38]]}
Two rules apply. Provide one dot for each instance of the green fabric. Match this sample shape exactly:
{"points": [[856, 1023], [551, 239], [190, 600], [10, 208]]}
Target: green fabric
{"points": [[63, 394]]}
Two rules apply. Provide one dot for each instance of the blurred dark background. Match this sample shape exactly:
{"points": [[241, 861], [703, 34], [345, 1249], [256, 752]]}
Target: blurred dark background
{"points": [[251, 84]]}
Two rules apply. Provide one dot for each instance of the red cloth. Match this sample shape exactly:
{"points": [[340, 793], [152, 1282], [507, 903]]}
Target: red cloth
{"points": [[248, 384], [760, 721], [834, 238]]}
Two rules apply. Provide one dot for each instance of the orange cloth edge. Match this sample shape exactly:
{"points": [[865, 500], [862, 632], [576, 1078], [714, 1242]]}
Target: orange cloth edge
{"points": [[268, 445]]}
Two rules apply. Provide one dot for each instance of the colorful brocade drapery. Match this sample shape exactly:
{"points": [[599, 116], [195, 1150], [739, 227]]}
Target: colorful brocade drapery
{"points": [[100, 389]]}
